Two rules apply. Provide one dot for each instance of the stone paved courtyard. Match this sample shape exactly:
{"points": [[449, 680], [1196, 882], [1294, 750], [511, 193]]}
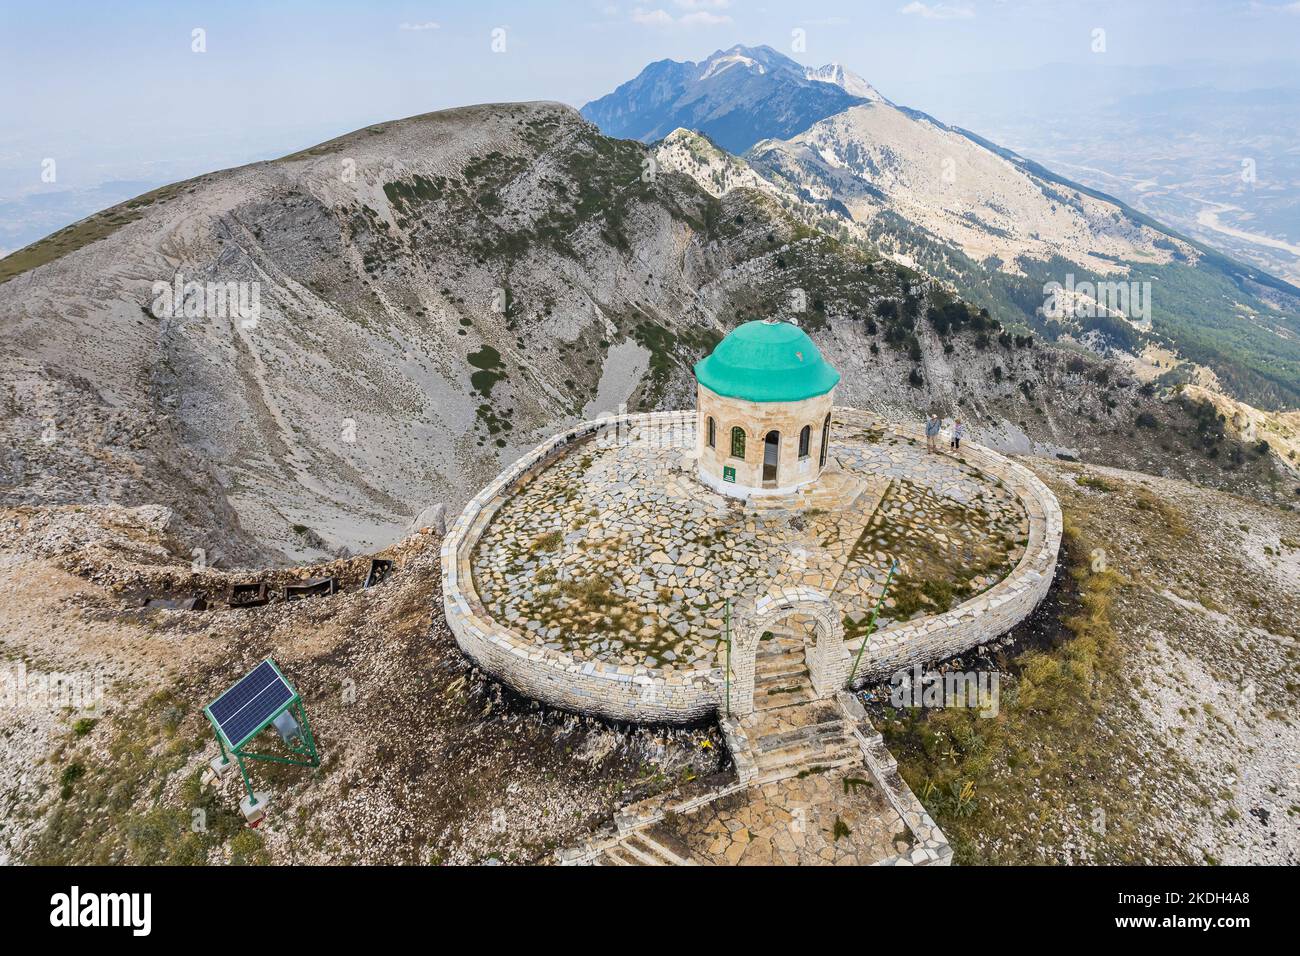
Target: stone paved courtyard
{"points": [[819, 819], [614, 552]]}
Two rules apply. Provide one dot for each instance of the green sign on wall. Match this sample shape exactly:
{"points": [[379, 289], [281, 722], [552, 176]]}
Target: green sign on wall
{"points": [[728, 474]]}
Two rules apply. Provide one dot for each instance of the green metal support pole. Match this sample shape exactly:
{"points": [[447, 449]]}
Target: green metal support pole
{"points": [[225, 758], [252, 797], [871, 625], [306, 732], [272, 758]]}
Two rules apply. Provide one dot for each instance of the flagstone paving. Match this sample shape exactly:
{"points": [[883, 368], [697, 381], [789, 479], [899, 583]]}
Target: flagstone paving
{"points": [[838, 819], [616, 553]]}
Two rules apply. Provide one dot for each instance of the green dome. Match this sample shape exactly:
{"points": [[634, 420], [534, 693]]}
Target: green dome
{"points": [[766, 362]]}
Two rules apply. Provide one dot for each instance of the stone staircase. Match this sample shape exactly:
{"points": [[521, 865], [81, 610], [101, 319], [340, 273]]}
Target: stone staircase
{"points": [[791, 731], [641, 849], [780, 672], [812, 736], [779, 743]]}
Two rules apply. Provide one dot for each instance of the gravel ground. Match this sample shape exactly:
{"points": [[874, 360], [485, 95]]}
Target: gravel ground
{"points": [[1177, 742], [424, 759], [1208, 624]]}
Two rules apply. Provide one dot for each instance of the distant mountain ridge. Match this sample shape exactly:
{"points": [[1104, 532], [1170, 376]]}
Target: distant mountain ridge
{"points": [[997, 226], [736, 97]]}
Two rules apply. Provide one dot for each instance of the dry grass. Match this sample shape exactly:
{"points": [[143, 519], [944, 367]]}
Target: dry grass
{"points": [[1037, 765]]}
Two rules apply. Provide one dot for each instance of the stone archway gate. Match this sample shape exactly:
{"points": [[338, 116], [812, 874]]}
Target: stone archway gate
{"points": [[828, 656]]}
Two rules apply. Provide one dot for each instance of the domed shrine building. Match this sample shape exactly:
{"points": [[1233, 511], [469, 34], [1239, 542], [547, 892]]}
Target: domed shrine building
{"points": [[729, 561], [764, 398]]}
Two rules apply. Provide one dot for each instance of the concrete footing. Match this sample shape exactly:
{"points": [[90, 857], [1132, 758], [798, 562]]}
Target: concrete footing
{"points": [[254, 812]]}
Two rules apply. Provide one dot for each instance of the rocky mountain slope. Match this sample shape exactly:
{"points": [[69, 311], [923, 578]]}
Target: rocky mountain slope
{"points": [[1000, 228], [424, 760], [1146, 711], [440, 293], [435, 295], [877, 159]]}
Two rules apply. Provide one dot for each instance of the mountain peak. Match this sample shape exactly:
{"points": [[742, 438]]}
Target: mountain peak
{"points": [[762, 53], [837, 75], [736, 96], [734, 57]]}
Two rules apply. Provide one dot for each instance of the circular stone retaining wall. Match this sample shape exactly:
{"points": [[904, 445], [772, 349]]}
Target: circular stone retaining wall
{"points": [[992, 612], [676, 695]]}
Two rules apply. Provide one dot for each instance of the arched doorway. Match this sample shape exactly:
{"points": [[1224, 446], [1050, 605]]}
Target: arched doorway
{"points": [[823, 649], [771, 458]]}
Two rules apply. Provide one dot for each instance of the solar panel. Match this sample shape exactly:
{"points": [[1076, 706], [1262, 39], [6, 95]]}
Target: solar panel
{"points": [[245, 708]]}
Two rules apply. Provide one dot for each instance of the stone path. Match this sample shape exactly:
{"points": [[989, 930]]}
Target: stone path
{"points": [[616, 553], [810, 791], [838, 818], [846, 815], [822, 819]]}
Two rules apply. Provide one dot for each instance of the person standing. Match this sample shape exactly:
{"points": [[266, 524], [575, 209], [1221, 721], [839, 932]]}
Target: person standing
{"points": [[958, 433], [932, 425]]}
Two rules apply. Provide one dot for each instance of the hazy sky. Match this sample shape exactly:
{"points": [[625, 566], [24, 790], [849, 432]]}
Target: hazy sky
{"points": [[113, 90]]}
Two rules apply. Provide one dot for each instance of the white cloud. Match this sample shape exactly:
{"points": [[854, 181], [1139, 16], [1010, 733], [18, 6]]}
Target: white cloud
{"points": [[937, 11], [703, 18], [696, 18], [427, 25], [652, 18]]}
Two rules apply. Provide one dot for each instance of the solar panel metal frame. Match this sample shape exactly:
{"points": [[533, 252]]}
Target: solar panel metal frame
{"points": [[262, 721]]}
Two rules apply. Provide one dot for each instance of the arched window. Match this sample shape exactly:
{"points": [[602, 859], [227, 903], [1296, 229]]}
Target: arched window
{"points": [[826, 441], [805, 441], [712, 433], [738, 442]]}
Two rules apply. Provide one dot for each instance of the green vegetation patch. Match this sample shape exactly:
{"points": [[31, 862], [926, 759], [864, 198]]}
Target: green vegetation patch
{"points": [[120, 799], [669, 351], [91, 229], [947, 551], [490, 370]]}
